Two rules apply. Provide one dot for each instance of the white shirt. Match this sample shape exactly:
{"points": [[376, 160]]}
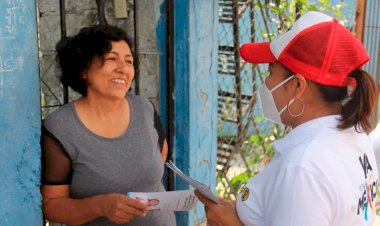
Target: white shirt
{"points": [[319, 176], [375, 137]]}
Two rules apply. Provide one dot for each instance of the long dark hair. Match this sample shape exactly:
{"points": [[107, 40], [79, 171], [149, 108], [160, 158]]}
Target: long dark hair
{"points": [[359, 110]]}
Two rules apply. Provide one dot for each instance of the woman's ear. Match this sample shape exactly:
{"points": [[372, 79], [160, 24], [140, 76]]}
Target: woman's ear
{"points": [[301, 83]]}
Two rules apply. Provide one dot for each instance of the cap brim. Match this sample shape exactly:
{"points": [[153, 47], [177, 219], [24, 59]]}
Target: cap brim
{"points": [[257, 53]]}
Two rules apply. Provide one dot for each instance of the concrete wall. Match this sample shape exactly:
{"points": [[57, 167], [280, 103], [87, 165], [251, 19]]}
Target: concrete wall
{"points": [[19, 115], [152, 52]]}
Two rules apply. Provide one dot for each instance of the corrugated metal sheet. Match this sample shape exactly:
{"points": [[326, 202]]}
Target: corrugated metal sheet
{"points": [[372, 37]]}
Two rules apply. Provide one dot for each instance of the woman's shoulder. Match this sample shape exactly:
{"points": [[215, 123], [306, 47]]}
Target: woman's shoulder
{"points": [[59, 117], [60, 112], [138, 98], [140, 101], [330, 146]]}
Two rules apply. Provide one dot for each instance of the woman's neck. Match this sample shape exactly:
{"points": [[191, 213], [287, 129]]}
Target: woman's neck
{"points": [[101, 107], [317, 111], [104, 117]]}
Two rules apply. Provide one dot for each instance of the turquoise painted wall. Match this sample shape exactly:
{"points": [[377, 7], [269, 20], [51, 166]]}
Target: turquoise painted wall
{"points": [[19, 115], [195, 68]]}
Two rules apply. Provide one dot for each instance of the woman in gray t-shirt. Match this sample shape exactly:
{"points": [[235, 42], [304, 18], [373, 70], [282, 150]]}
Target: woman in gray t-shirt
{"points": [[106, 143]]}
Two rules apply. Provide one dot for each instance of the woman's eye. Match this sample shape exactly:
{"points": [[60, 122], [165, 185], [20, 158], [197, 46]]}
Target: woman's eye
{"points": [[129, 62], [111, 58]]}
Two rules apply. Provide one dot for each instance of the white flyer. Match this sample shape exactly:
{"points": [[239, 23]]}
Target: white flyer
{"points": [[183, 200], [202, 188]]}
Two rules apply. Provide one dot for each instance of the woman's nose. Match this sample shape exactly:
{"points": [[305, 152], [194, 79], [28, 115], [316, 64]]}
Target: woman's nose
{"points": [[122, 66], [125, 69]]}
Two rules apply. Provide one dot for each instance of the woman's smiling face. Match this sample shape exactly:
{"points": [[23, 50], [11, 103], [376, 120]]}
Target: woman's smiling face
{"points": [[113, 77]]}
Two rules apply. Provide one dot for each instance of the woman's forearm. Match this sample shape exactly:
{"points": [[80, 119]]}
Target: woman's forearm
{"points": [[72, 211]]}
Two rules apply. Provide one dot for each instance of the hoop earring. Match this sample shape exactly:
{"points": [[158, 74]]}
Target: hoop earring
{"points": [[291, 113]]}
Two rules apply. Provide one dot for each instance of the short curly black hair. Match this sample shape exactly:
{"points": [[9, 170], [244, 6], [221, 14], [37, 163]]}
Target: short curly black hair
{"points": [[76, 53]]}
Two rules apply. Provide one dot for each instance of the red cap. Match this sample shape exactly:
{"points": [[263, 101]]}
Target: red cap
{"points": [[316, 46]]}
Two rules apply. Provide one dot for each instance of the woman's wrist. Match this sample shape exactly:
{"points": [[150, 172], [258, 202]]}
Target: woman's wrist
{"points": [[97, 205]]}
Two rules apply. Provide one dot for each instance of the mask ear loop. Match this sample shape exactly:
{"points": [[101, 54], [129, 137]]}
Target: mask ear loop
{"points": [[291, 113]]}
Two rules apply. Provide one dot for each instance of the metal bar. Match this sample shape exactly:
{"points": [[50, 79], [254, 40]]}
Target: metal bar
{"points": [[63, 17], [236, 35], [377, 72], [227, 67], [252, 39], [150, 53], [227, 73], [225, 21], [263, 16], [50, 91], [158, 82], [170, 86], [157, 54], [51, 106], [372, 26], [375, 28], [297, 10], [371, 33], [242, 9], [240, 141], [226, 48], [48, 68], [101, 13], [377, 34], [136, 43], [366, 38], [233, 95], [374, 35], [62, 6]]}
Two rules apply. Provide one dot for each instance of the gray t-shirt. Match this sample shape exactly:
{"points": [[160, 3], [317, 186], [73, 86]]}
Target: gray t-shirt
{"points": [[129, 163]]}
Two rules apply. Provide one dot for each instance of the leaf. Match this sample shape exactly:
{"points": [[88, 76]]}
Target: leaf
{"points": [[255, 139], [313, 8], [239, 180]]}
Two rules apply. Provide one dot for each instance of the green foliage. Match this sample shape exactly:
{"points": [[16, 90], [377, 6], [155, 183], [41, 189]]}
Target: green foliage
{"points": [[288, 11], [258, 151], [239, 180]]}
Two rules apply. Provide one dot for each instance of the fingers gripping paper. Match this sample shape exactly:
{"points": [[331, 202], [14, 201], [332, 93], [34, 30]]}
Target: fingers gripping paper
{"points": [[202, 188], [184, 200]]}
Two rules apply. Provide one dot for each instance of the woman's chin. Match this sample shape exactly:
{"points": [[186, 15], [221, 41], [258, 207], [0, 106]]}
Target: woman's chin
{"points": [[117, 95]]}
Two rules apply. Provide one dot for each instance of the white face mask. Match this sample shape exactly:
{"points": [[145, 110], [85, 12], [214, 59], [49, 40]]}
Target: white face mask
{"points": [[268, 105]]}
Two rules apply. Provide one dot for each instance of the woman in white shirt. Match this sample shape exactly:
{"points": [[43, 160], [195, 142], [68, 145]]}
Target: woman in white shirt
{"points": [[324, 171]]}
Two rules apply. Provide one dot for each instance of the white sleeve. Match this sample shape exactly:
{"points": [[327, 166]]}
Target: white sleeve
{"points": [[376, 147], [300, 198], [375, 137]]}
